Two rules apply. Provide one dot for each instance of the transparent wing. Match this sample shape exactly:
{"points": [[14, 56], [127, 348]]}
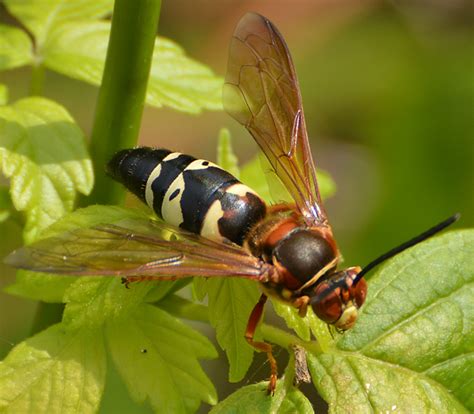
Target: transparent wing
{"points": [[262, 93], [137, 247]]}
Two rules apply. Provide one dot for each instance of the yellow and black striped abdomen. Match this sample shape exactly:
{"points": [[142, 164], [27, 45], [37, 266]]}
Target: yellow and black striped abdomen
{"points": [[193, 194]]}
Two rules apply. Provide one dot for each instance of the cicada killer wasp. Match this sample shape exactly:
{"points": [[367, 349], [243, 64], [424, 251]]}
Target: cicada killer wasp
{"points": [[214, 226]]}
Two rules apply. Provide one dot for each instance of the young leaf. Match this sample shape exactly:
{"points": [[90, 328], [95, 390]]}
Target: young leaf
{"points": [[157, 356], [44, 287], [258, 174], [230, 303], [252, 174], [5, 205], [226, 157], [15, 47], [411, 349], [295, 402], [51, 288], [91, 301], [43, 152], [292, 319], [250, 399], [3, 94], [40, 17], [92, 216], [254, 399], [56, 371], [180, 82], [305, 326], [78, 50]]}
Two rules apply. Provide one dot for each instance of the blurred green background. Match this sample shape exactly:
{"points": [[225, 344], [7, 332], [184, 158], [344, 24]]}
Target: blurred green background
{"points": [[388, 90]]}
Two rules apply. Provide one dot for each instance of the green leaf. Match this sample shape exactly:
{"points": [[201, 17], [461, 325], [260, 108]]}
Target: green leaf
{"points": [[56, 371], [357, 384], [3, 94], [258, 174], [253, 399], [295, 402], [292, 319], [43, 152], [5, 205], [92, 216], [253, 175], [52, 287], [44, 287], [231, 301], [412, 348], [78, 50], [226, 157], [40, 17], [92, 301], [15, 47], [157, 356], [180, 82], [165, 288], [305, 326]]}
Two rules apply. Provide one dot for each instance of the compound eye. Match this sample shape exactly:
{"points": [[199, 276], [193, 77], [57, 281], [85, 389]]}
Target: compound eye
{"points": [[329, 308], [359, 292]]}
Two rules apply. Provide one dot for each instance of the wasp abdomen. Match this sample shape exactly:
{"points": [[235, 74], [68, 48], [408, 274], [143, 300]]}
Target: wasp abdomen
{"points": [[194, 194]]}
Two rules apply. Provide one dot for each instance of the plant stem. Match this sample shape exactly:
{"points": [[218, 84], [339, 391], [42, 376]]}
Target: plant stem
{"points": [[37, 79], [285, 340], [119, 106], [122, 93]]}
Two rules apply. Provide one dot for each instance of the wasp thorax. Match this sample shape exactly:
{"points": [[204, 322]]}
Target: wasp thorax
{"points": [[304, 253], [337, 299]]}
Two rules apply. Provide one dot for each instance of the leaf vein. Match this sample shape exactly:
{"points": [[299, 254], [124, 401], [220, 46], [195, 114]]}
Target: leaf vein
{"points": [[417, 312]]}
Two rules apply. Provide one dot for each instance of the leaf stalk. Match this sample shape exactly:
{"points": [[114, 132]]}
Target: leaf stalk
{"points": [[123, 90]]}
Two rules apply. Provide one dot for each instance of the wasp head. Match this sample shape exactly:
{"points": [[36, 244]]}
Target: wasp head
{"points": [[337, 298]]}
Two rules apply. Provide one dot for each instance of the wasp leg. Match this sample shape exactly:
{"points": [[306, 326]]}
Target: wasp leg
{"points": [[254, 319], [130, 279], [126, 282], [302, 305]]}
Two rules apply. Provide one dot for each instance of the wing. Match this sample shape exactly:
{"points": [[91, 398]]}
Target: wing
{"points": [[137, 247], [262, 93]]}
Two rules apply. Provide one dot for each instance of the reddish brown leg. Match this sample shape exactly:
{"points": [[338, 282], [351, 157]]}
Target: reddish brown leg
{"points": [[302, 305], [254, 319]]}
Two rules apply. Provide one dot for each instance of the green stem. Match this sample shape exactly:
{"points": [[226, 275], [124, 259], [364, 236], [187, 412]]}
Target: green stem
{"points": [[119, 105], [183, 308], [285, 340], [122, 93], [37, 79]]}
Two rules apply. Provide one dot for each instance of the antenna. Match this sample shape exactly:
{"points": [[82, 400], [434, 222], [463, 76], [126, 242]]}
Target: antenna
{"points": [[423, 236]]}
